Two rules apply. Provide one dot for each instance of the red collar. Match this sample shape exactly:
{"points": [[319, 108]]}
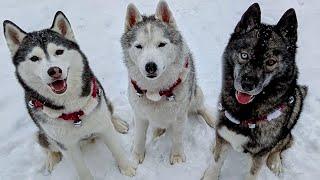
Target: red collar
{"points": [[74, 116], [165, 92]]}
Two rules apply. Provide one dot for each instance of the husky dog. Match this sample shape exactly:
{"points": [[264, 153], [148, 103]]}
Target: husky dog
{"points": [[63, 97], [162, 80], [260, 98]]}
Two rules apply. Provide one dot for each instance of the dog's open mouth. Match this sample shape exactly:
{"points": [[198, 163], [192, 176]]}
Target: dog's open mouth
{"points": [[244, 98], [59, 86]]}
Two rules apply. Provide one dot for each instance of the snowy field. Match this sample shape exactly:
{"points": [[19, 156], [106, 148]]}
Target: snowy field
{"points": [[206, 25]]}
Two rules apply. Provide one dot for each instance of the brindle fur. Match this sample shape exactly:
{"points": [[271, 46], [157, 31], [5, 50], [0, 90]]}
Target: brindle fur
{"points": [[269, 139]]}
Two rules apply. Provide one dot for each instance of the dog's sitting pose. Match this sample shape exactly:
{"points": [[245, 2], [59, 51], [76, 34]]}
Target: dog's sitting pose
{"points": [[260, 98], [63, 97], [162, 80]]}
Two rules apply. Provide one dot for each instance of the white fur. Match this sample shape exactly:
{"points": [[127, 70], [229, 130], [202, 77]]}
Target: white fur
{"points": [[97, 120], [236, 140], [162, 113]]}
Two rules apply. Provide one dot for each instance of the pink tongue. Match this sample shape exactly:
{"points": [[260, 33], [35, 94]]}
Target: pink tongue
{"points": [[243, 98], [58, 85]]}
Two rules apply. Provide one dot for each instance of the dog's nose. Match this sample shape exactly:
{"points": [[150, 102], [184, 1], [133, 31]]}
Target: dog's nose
{"points": [[55, 72], [151, 67], [249, 83]]}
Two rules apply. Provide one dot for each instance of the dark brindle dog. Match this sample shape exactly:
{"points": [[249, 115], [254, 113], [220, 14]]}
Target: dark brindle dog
{"points": [[260, 98]]}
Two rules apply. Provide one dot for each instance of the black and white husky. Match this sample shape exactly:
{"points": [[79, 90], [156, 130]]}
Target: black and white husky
{"points": [[63, 97], [260, 99], [162, 80]]}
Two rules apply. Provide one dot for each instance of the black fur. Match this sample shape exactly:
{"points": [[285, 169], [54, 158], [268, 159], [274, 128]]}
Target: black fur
{"points": [[262, 41]]}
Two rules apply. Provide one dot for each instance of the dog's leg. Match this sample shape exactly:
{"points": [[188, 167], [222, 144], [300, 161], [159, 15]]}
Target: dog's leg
{"points": [[256, 164], [139, 149], [120, 125], [220, 152], [74, 154], [53, 156], [177, 151], [274, 160], [112, 140]]}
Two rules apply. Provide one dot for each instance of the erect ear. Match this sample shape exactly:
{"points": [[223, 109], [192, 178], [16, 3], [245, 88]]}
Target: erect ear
{"points": [[132, 18], [164, 14], [62, 26], [250, 19], [288, 25], [14, 36]]}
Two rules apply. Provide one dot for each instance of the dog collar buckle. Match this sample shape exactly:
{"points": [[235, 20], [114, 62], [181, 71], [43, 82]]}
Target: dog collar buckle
{"points": [[172, 97], [251, 126], [139, 94], [77, 123]]}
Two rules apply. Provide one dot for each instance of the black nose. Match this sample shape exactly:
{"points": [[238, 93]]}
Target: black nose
{"points": [[151, 67], [55, 72], [249, 82]]}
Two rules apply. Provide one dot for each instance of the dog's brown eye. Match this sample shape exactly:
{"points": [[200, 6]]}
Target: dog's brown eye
{"points": [[34, 58], [59, 52], [271, 62], [162, 44], [138, 46], [244, 56]]}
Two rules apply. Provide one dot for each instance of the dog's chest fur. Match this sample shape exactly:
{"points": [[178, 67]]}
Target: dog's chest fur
{"points": [[164, 112], [66, 133], [237, 141]]}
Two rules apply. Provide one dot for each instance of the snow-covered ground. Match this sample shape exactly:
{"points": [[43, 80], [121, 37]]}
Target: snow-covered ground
{"points": [[206, 25]]}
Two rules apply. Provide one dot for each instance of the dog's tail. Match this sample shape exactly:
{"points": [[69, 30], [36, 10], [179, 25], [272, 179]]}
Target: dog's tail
{"points": [[120, 125], [208, 118], [303, 90]]}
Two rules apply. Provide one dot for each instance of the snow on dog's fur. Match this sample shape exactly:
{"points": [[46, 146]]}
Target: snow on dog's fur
{"points": [[158, 60], [55, 73]]}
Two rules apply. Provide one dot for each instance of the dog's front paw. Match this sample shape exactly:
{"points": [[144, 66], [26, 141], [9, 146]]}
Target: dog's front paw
{"points": [[138, 157], [53, 158], [274, 163], [120, 125], [128, 168], [177, 157]]}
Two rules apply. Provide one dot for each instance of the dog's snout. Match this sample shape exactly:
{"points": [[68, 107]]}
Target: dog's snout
{"points": [[151, 67], [249, 83], [55, 72]]}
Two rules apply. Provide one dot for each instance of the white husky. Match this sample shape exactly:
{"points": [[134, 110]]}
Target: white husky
{"points": [[63, 97], [162, 81]]}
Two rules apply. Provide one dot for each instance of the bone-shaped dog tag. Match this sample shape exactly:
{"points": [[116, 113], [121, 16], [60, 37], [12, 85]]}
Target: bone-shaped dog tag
{"points": [[153, 96]]}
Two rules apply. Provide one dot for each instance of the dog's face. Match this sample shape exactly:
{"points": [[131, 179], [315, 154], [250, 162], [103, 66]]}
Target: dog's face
{"points": [[261, 52], [151, 42], [46, 60]]}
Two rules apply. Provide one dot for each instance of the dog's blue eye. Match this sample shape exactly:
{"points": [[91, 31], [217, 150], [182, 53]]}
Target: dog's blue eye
{"points": [[244, 56], [34, 58], [162, 44], [59, 52], [138, 46]]}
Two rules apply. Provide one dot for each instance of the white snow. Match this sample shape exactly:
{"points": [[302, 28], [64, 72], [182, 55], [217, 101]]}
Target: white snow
{"points": [[206, 26]]}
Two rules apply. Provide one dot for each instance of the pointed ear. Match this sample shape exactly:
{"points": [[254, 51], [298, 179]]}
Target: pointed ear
{"points": [[14, 36], [164, 14], [62, 26], [249, 20], [288, 25], [132, 18]]}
